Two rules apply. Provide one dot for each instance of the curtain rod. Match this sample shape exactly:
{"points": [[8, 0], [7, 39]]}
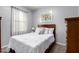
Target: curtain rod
{"points": [[19, 9]]}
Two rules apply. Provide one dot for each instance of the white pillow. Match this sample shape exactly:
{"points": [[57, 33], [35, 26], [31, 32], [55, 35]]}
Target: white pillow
{"points": [[39, 30], [51, 30], [46, 31]]}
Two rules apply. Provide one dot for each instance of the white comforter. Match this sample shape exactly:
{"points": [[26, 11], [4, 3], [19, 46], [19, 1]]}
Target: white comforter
{"points": [[31, 43]]}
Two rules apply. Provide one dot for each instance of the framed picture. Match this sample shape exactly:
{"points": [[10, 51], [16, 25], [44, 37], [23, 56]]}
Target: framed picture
{"points": [[46, 18]]}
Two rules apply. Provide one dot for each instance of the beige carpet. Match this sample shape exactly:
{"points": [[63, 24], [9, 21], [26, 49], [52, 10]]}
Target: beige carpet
{"points": [[55, 49], [58, 49]]}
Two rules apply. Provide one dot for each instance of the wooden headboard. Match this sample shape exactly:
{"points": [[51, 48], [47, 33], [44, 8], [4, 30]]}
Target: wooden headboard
{"points": [[49, 26]]}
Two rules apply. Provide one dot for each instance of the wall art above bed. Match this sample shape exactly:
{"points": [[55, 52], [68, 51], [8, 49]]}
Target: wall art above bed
{"points": [[47, 17]]}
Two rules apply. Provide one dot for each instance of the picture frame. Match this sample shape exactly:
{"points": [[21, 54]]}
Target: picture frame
{"points": [[46, 17]]}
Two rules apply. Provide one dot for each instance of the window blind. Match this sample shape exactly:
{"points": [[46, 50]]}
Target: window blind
{"points": [[19, 21]]}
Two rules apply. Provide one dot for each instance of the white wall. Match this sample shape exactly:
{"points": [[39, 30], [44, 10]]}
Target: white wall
{"points": [[5, 13], [78, 10], [59, 14]]}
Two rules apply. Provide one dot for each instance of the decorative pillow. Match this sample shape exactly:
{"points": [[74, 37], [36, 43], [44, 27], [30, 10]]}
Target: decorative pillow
{"points": [[51, 30], [46, 31], [39, 30]]}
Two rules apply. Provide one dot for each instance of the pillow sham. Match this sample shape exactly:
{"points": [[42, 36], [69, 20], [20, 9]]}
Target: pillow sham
{"points": [[48, 30], [39, 30], [51, 30]]}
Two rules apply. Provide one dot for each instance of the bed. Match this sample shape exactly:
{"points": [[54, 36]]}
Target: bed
{"points": [[33, 42]]}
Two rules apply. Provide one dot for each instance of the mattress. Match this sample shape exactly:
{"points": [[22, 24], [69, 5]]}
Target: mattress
{"points": [[31, 42]]}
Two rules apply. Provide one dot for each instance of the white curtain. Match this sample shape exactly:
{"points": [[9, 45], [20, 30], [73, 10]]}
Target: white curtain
{"points": [[19, 21]]}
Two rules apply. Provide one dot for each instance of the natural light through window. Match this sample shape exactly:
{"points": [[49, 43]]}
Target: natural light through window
{"points": [[19, 21]]}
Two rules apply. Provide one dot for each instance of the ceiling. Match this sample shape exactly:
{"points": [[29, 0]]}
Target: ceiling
{"points": [[34, 8]]}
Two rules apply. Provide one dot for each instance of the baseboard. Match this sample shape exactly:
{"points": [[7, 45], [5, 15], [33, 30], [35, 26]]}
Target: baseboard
{"points": [[4, 46], [61, 43]]}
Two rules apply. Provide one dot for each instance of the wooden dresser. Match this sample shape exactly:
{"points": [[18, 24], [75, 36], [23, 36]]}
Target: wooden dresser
{"points": [[72, 34], [0, 34]]}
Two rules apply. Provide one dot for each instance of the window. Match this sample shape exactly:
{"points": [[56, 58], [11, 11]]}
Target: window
{"points": [[19, 21]]}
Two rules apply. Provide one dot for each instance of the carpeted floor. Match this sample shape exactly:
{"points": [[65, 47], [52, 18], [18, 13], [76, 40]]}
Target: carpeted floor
{"points": [[55, 49], [58, 49]]}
